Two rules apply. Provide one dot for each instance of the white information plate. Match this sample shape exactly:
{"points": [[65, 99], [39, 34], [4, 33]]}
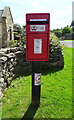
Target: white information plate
{"points": [[37, 79], [37, 27], [37, 46]]}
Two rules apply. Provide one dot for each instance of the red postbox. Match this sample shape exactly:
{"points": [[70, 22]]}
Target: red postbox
{"points": [[37, 36]]}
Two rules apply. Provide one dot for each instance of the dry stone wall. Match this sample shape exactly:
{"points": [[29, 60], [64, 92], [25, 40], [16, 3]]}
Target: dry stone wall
{"points": [[13, 63], [8, 61], [0, 35]]}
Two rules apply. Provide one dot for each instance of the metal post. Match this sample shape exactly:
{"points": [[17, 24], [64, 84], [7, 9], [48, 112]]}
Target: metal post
{"points": [[36, 69]]}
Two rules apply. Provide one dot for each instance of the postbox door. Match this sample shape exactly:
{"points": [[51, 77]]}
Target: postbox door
{"points": [[37, 47]]}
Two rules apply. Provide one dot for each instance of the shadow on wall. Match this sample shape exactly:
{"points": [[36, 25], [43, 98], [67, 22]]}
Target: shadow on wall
{"points": [[55, 63], [26, 69]]}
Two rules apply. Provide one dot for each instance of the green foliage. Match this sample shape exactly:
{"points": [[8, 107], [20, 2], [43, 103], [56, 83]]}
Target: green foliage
{"points": [[56, 94], [69, 40], [54, 39], [55, 54], [63, 31], [15, 32], [58, 32], [72, 25], [13, 43], [23, 27], [17, 28], [66, 30]]}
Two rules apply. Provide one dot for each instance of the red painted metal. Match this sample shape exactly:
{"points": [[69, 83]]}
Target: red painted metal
{"points": [[37, 35]]}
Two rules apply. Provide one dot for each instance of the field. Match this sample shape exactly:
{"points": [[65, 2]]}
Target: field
{"points": [[68, 40], [56, 94]]}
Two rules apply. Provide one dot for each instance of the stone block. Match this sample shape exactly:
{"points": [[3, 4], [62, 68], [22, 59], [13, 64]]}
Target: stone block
{"points": [[14, 63], [11, 55], [1, 80], [3, 72], [9, 81], [3, 59]]}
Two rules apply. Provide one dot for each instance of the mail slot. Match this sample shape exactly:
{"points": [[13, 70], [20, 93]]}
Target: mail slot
{"points": [[37, 36]]}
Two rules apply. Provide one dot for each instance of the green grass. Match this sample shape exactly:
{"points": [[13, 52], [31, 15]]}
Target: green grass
{"points": [[68, 40], [56, 94]]}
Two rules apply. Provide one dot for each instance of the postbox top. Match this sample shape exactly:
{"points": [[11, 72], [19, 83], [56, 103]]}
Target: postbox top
{"points": [[37, 13], [37, 16]]}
